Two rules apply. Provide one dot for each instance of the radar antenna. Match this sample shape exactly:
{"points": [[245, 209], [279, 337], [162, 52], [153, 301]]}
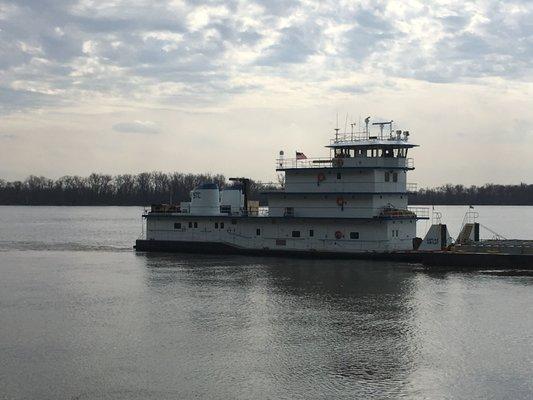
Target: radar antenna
{"points": [[381, 125]]}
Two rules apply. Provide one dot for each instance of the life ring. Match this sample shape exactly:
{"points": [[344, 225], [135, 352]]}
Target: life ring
{"points": [[321, 177], [338, 235], [340, 201]]}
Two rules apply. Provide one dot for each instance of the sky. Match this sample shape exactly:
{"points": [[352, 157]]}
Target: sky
{"points": [[124, 86]]}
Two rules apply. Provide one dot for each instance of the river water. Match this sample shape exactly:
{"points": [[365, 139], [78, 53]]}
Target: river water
{"points": [[84, 317]]}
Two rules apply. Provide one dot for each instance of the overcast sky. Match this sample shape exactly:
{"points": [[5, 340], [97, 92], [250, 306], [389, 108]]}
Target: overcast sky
{"points": [[127, 86]]}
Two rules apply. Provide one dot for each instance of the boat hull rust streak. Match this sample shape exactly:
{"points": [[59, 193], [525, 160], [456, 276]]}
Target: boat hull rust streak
{"points": [[430, 259]]}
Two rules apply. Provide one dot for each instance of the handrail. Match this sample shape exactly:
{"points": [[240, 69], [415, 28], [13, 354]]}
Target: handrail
{"points": [[436, 217], [326, 162], [421, 212], [384, 212], [469, 217], [317, 162], [359, 136]]}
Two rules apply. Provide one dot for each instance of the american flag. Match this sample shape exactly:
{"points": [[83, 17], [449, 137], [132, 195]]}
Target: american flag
{"points": [[300, 156]]}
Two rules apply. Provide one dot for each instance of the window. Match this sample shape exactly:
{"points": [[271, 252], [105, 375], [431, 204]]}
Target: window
{"points": [[338, 175], [216, 225], [190, 224], [177, 225], [311, 233], [387, 177], [354, 235], [295, 233], [395, 177], [222, 225], [258, 232], [196, 224]]}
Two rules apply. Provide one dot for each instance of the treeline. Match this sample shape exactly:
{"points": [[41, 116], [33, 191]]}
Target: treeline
{"points": [[157, 187], [102, 189], [488, 194]]}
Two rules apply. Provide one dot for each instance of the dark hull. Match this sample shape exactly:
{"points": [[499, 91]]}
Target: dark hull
{"points": [[444, 259]]}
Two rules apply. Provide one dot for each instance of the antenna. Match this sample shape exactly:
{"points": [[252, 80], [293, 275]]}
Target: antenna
{"points": [[345, 124], [381, 125], [367, 120], [337, 129]]}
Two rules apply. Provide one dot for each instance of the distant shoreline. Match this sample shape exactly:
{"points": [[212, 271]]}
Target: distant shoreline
{"points": [[157, 187]]}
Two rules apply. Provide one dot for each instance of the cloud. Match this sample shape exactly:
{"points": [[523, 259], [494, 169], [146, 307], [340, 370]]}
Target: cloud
{"points": [[352, 89], [14, 100], [295, 45], [192, 53], [144, 127]]}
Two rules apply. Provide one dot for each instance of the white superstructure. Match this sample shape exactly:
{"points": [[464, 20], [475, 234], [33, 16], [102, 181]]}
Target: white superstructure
{"points": [[353, 201]]}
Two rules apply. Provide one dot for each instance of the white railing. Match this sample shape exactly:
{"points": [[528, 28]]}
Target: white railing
{"points": [[436, 217], [305, 163], [421, 212], [346, 137], [411, 187], [326, 162]]}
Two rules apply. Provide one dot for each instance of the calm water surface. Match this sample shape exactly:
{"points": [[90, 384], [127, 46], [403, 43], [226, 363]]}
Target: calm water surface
{"points": [[84, 317]]}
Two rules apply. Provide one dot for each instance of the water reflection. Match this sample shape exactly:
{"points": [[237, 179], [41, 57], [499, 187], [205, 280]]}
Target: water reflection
{"points": [[341, 327]]}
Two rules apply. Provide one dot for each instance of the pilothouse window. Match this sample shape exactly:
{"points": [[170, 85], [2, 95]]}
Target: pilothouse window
{"points": [[295, 234]]}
